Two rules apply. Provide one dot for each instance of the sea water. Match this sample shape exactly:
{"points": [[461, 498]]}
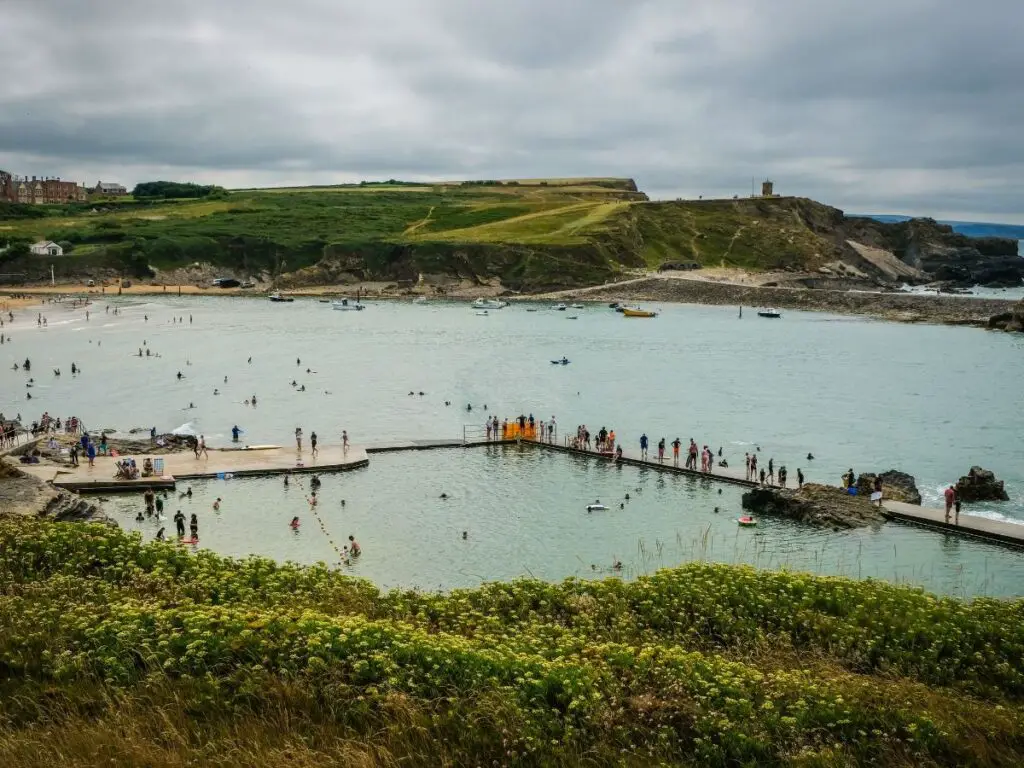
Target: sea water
{"points": [[854, 392]]}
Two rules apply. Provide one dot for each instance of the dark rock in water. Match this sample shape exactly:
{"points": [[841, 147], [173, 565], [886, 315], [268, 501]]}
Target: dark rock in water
{"points": [[980, 485], [821, 505], [1009, 321], [896, 485]]}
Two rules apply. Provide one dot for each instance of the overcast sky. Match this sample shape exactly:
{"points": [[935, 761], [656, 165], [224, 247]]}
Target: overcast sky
{"points": [[901, 106]]}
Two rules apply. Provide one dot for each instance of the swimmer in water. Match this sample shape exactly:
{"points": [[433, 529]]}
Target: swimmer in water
{"points": [[312, 498], [216, 504], [295, 523]]}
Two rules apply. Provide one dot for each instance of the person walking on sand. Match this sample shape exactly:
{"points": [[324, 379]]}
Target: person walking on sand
{"points": [[201, 445], [344, 441], [90, 451], [298, 439], [312, 442], [799, 478], [950, 494]]}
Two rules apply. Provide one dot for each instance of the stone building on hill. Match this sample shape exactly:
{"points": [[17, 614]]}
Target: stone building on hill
{"points": [[109, 189]]}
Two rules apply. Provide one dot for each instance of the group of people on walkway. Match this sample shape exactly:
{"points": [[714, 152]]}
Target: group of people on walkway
{"points": [[767, 475]]}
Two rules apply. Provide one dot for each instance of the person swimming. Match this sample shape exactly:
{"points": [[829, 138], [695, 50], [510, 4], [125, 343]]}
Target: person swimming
{"points": [[216, 504], [295, 523]]}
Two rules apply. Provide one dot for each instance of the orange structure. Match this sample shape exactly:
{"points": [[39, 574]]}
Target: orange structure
{"points": [[510, 431]]}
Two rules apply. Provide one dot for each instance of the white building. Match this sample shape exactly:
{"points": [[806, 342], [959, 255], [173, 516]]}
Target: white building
{"points": [[46, 248]]}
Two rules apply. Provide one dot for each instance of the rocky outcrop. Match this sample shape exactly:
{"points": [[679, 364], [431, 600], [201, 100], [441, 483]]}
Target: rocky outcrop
{"points": [[1009, 321], [980, 485], [937, 251], [896, 485], [22, 494], [820, 505]]}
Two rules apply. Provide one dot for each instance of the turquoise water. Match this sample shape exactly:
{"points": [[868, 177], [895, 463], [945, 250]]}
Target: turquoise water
{"points": [[930, 400]]}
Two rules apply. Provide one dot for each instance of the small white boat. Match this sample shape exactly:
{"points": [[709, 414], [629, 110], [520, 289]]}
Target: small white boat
{"points": [[481, 313], [277, 297], [596, 507], [489, 304], [769, 312], [560, 307], [344, 305], [577, 306]]}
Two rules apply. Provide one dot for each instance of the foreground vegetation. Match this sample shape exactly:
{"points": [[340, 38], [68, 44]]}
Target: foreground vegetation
{"points": [[117, 653], [528, 233]]}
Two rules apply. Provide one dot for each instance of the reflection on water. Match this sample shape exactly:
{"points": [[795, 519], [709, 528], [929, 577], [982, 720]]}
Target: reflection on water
{"points": [[524, 514]]}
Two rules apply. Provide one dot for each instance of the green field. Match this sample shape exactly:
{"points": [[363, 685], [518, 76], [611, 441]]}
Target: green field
{"points": [[531, 234], [117, 653]]}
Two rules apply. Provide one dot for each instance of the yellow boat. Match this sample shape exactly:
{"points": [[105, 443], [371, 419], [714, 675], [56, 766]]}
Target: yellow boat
{"points": [[638, 313]]}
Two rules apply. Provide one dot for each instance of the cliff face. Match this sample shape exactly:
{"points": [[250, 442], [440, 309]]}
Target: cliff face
{"points": [[800, 234], [945, 255]]}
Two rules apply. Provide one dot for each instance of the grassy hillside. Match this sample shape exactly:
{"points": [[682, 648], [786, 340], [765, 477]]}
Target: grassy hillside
{"points": [[118, 653], [530, 233]]}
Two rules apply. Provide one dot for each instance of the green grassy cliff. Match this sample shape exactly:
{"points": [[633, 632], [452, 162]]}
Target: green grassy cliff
{"points": [[531, 234]]}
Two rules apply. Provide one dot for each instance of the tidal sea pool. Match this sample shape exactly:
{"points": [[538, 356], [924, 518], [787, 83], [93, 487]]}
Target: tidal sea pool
{"points": [[523, 511], [929, 400]]}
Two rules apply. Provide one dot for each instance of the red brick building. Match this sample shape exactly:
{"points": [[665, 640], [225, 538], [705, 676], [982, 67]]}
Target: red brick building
{"points": [[37, 191]]}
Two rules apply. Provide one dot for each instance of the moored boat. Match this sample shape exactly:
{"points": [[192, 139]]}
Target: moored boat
{"points": [[279, 298], [560, 307], [489, 304], [769, 312], [627, 312], [345, 305]]}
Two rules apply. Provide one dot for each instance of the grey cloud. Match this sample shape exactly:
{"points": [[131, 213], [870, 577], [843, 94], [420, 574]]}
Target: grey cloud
{"points": [[908, 106]]}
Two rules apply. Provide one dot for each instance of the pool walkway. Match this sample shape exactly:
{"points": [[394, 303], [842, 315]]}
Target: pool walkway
{"points": [[927, 517], [275, 460], [969, 525]]}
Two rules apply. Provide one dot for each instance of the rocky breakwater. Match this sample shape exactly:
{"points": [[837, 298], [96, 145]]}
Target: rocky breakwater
{"points": [[980, 485], [896, 486], [901, 307], [821, 505]]}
